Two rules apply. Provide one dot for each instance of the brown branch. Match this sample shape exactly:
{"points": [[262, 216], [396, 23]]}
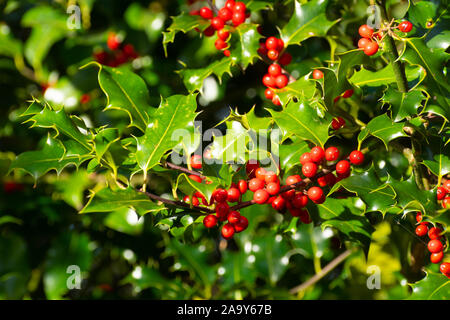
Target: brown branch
{"points": [[333, 264], [185, 170]]}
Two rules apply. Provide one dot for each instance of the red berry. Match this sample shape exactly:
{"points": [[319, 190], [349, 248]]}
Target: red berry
{"points": [[446, 185], [337, 123], [356, 157], [435, 246], [421, 230], [85, 98], [317, 154], [261, 196], [222, 209], [371, 48], [228, 231], [221, 195], [434, 233], [223, 34], [437, 257], [305, 158], [343, 167], [317, 74], [280, 45], [300, 200], [441, 192], [363, 42], [229, 4], [262, 50], [226, 53], [225, 14], [242, 184], [315, 194], [269, 81], [331, 154], [281, 81], [322, 181], [255, 184], [268, 93], [250, 168], [305, 217], [279, 203], [288, 195], [273, 188], [271, 43], [220, 44], [241, 225], [330, 178], [195, 201], [419, 216], [195, 178], [309, 169], [271, 177], [445, 268], [405, 26], [201, 196], [274, 70], [285, 59], [276, 101], [210, 221], [206, 13], [217, 23], [196, 161], [240, 7], [238, 18], [113, 41], [446, 202], [365, 31], [347, 93], [233, 195], [260, 173], [234, 217], [272, 54], [293, 179]]}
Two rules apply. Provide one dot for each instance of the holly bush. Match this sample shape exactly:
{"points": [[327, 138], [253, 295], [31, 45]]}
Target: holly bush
{"points": [[223, 149]]}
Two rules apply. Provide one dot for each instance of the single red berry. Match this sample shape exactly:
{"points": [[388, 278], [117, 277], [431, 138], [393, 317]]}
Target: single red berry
{"points": [[331, 154], [419, 216], [315, 194], [295, 212], [222, 209], [293, 179], [437, 257], [241, 225], [233, 217], [274, 70], [405, 26], [210, 221], [356, 157], [317, 154], [362, 43], [271, 177], [225, 14], [272, 54], [330, 179], [221, 195], [269, 81], [223, 34], [206, 13], [85, 98], [233, 195], [309, 169], [276, 100], [299, 200], [229, 4], [343, 167], [220, 44], [209, 32], [279, 203], [228, 231], [421, 230], [194, 201], [255, 184], [336, 99], [347, 93], [260, 173], [305, 217], [435, 245], [285, 59], [238, 18], [305, 158], [271, 43], [365, 31], [113, 41], [196, 161], [371, 48], [322, 181], [251, 167], [434, 233], [217, 23], [280, 45], [288, 195], [195, 178], [201, 196], [317, 74], [268, 93], [273, 188], [446, 185], [281, 81], [445, 268], [441, 192], [226, 53], [261, 196], [337, 123], [242, 184], [240, 7], [262, 50], [446, 202]]}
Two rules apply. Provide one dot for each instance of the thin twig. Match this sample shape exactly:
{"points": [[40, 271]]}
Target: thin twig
{"points": [[213, 6], [179, 168]]}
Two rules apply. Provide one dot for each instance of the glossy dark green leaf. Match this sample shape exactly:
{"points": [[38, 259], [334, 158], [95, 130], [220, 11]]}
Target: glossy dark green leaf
{"points": [[302, 88], [383, 128], [245, 44], [290, 153], [436, 155], [435, 286], [403, 104]]}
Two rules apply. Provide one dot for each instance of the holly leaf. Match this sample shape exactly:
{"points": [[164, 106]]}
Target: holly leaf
{"points": [[303, 88], [175, 114], [383, 128], [308, 20], [250, 120], [125, 91], [290, 153], [9, 46], [403, 104], [434, 286], [245, 44], [104, 139], [304, 121], [189, 186], [436, 154], [193, 78], [231, 147], [108, 200], [53, 156]]}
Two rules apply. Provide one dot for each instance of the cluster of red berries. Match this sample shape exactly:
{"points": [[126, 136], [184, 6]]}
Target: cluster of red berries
{"points": [[435, 245], [232, 12], [274, 78], [119, 53], [443, 194]]}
